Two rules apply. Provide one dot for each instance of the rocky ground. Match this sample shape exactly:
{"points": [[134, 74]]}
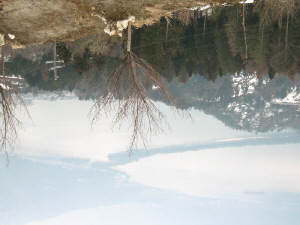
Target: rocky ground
{"points": [[38, 21]]}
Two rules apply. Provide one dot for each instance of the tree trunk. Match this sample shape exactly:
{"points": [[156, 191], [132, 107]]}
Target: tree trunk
{"points": [[245, 30], [204, 25], [129, 37], [287, 31]]}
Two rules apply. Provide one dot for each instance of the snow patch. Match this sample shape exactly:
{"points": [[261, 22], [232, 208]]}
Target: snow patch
{"points": [[116, 28], [201, 8], [11, 36], [247, 2], [206, 9], [154, 87], [292, 98], [4, 86]]}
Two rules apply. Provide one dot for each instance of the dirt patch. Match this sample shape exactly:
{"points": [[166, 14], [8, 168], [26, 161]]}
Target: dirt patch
{"points": [[38, 21]]}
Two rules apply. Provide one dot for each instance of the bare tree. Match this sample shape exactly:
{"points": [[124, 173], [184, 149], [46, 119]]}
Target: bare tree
{"points": [[274, 10], [127, 89], [10, 102]]}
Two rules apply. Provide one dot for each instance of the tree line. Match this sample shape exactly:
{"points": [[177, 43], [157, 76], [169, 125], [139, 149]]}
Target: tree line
{"points": [[210, 45]]}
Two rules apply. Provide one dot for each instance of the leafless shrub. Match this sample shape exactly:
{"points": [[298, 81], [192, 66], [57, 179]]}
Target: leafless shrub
{"points": [[128, 89]]}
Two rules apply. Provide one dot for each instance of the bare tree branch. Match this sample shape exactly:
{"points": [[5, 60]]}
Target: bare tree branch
{"points": [[10, 103], [127, 90]]}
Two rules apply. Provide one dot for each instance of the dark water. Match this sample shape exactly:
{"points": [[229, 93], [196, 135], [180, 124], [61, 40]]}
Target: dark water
{"points": [[205, 117]]}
